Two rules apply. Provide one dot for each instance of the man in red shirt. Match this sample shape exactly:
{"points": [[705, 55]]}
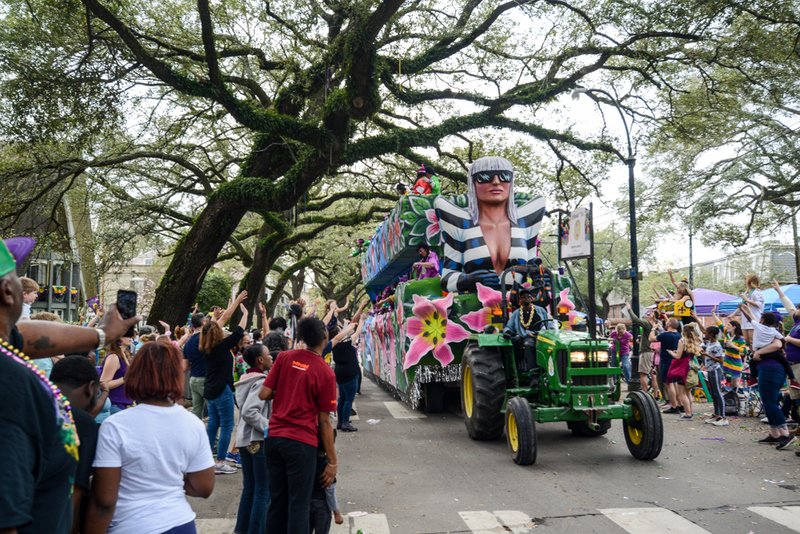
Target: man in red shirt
{"points": [[302, 388]]}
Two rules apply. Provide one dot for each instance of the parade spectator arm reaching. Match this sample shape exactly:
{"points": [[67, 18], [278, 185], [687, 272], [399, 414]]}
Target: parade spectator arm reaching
{"points": [[677, 285], [97, 317], [264, 319], [46, 338], [787, 303], [232, 308]]}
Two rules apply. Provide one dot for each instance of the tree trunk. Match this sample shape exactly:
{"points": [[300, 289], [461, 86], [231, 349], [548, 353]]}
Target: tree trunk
{"points": [[604, 301], [193, 257], [254, 282], [298, 281]]}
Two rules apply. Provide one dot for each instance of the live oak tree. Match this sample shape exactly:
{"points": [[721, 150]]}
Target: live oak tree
{"points": [[243, 106], [727, 158]]}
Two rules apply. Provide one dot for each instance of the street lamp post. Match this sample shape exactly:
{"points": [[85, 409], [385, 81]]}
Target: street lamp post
{"points": [[631, 162]]}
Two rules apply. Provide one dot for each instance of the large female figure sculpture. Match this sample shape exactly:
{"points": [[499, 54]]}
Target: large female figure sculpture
{"points": [[492, 233]]}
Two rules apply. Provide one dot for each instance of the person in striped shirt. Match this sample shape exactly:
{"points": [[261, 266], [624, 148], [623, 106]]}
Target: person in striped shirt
{"points": [[734, 345]]}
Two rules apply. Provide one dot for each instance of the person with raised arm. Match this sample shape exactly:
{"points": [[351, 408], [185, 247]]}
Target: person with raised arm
{"points": [[218, 388], [36, 487]]}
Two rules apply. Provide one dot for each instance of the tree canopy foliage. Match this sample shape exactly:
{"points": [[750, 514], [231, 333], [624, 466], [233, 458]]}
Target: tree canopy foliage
{"points": [[187, 115], [728, 153]]}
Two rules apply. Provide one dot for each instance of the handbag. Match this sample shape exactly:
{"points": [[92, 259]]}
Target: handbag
{"points": [[678, 369], [692, 378]]}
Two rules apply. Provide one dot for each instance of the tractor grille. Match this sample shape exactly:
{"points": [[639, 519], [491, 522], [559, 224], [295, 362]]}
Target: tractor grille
{"points": [[596, 380]]}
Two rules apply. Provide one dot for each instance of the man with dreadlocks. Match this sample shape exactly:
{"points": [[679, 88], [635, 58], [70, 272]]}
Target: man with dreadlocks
{"points": [[492, 233]]}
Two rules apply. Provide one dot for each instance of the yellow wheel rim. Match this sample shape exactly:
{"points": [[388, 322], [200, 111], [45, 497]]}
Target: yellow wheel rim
{"points": [[513, 436], [635, 434], [467, 380]]}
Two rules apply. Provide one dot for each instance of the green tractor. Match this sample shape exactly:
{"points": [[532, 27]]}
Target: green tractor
{"points": [[569, 381], [427, 343]]}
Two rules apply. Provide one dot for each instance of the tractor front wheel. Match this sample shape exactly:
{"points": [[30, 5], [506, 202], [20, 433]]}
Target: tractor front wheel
{"points": [[644, 430], [483, 389], [521, 431]]}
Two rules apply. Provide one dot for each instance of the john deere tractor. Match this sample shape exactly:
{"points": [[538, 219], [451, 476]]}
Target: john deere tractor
{"points": [[423, 343], [570, 381]]}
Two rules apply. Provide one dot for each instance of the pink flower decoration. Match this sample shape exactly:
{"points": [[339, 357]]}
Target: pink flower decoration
{"points": [[433, 228], [491, 299], [432, 331]]}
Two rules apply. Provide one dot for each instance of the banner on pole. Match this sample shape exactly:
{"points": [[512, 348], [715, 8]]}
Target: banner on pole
{"points": [[576, 238]]}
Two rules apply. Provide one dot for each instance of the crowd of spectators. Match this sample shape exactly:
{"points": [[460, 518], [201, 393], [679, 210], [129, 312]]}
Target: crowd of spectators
{"points": [[750, 352], [113, 446]]}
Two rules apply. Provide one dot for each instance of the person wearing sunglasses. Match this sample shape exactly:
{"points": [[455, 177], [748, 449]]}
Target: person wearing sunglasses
{"points": [[489, 230]]}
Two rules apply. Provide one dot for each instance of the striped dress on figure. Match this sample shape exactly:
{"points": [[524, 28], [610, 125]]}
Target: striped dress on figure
{"points": [[465, 249]]}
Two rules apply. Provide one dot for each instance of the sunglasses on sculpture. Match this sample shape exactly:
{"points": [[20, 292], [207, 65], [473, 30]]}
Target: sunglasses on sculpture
{"points": [[486, 177]]}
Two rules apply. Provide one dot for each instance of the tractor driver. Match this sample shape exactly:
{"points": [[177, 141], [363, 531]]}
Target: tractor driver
{"points": [[524, 323]]}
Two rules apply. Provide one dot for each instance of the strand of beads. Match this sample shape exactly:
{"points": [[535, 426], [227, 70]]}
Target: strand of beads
{"points": [[23, 359]]}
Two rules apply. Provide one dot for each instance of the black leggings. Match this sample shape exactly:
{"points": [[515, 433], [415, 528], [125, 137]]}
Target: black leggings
{"points": [[779, 357]]}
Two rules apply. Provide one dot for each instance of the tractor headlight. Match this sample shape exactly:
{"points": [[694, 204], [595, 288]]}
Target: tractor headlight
{"points": [[602, 356], [578, 357]]}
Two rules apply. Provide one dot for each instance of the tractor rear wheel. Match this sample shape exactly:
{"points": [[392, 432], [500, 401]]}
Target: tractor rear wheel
{"points": [[521, 431], [581, 428], [644, 430], [483, 389]]}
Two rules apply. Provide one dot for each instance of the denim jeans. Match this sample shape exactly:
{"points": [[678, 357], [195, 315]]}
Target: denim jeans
{"points": [[347, 394], [220, 417], [252, 515], [186, 528], [291, 466], [625, 362], [196, 385], [770, 382]]}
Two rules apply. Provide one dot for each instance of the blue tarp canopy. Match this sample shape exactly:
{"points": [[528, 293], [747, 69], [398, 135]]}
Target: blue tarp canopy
{"points": [[772, 301]]}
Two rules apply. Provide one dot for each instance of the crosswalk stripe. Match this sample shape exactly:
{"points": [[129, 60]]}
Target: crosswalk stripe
{"points": [[215, 526], [788, 516], [498, 522], [371, 524], [401, 411], [651, 521], [518, 522], [367, 524], [482, 522]]}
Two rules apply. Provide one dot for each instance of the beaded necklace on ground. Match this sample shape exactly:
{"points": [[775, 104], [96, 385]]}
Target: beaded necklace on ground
{"points": [[64, 419], [522, 320]]}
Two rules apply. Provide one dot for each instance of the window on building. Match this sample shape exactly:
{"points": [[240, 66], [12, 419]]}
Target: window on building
{"points": [[149, 261]]}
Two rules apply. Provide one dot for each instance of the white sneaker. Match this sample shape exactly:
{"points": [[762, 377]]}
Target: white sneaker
{"points": [[765, 420], [224, 469], [721, 422], [712, 420]]}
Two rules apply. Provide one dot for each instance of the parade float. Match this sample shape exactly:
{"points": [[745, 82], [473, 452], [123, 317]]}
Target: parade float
{"points": [[425, 339]]}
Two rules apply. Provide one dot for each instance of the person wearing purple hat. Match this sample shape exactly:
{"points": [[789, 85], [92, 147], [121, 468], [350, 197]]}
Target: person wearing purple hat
{"points": [[36, 420]]}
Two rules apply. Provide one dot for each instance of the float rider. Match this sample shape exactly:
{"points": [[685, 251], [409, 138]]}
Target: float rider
{"points": [[524, 324]]}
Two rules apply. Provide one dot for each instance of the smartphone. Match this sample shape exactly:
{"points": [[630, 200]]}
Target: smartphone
{"points": [[126, 304]]}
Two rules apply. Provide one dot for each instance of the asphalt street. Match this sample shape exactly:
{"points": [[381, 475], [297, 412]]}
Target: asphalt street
{"points": [[418, 473]]}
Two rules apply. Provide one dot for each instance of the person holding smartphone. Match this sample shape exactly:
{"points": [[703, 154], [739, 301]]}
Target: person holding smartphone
{"points": [[35, 488], [218, 388]]}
